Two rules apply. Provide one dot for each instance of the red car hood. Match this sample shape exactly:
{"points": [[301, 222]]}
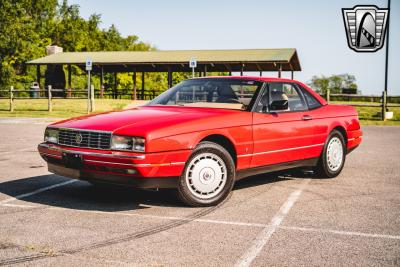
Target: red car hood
{"points": [[165, 120]]}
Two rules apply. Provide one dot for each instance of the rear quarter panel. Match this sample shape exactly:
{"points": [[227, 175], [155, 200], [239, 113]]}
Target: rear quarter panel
{"points": [[329, 117]]}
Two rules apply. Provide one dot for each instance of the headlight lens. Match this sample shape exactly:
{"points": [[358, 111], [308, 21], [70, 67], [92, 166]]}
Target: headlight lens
{"points": [[129, 143], [51, 135]]}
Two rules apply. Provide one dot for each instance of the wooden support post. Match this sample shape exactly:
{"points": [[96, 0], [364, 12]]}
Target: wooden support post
{"points": [[49, 104], [101, 82], [38, 75], [69, 76], [280, 71], [12, 98], [328, 95], [142, 93], [69, 86], [169, 78], [102, 77], [384, 105], [241, 70], [260, 73], [134, 85], [292, 75], [205, 70], [115, 85]]}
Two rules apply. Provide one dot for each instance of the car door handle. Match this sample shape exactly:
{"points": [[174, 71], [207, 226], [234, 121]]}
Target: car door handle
{"points": [[306, 118]]}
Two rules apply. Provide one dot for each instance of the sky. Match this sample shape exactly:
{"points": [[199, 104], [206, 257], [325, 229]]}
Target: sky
{"points": [[314, 28]]}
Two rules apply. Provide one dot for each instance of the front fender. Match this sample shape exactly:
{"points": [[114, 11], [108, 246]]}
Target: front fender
{"points": [[241, 137]]}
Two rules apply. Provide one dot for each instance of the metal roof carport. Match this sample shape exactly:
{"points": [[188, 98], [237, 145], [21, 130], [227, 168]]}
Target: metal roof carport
{"points": [[239, 60]]}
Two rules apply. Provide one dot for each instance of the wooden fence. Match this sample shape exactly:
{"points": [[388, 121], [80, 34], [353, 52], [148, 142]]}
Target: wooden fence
{"points": [[383, 102], [51, 93]]}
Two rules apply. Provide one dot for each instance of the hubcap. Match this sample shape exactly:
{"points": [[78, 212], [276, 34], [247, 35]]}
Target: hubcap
{"points": [[334, 154], [206, 175]]}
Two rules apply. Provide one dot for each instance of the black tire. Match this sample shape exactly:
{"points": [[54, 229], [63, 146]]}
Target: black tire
{"points": [[324, 169], [185, 190]]}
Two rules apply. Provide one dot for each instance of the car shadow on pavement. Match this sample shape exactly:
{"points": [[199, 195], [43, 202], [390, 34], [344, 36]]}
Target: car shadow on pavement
{"points": [[81, 195], [265, 178]]}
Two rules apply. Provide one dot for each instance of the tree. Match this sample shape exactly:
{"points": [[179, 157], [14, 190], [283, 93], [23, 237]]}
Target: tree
{"points": [[21, 36], [334, 83], [27, 27]]}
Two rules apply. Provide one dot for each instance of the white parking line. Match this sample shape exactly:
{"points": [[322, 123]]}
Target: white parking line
{"points": [[261, 240], [18, 206], [38, 191], [338, 232], [236, 223], [246, 224]]}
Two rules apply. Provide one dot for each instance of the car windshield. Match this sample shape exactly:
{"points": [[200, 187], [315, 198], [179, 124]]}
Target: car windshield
{"points": [[210, 92]]}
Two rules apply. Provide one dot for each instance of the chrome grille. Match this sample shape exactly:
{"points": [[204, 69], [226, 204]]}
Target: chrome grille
{"points": [[90, 139]]}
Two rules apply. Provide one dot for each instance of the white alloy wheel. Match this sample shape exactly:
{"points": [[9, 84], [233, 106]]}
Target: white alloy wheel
{"points": [[334, 154], [206, 175]]}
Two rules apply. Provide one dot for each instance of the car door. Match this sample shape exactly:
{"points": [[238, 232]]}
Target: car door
{"points": [[319, 122], [281, 135]]}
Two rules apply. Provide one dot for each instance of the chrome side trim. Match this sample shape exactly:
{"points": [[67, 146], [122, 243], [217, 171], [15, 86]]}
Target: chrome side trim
{"points": [[280, 150], [44, 145], [178, 163]]}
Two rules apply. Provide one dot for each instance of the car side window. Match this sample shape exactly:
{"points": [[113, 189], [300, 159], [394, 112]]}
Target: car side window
{"points": [[289, 92], [312, 102]]}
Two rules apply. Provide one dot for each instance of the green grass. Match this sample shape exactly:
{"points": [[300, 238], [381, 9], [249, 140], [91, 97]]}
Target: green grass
{"points": [[372, 115], [62, 108], [383, 123]]}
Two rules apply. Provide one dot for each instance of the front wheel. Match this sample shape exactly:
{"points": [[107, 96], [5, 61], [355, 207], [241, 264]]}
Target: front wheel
{"points": [[333, 156], [208, 177]]}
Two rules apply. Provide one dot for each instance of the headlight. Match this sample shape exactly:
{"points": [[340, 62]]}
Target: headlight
{"points": [[129, 143], [51, 135]]}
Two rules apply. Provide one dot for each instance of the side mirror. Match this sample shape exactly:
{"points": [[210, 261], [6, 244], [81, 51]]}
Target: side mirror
{"points": [[279, 105]]}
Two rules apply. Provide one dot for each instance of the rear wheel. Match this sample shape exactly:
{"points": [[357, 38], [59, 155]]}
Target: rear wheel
{"points": [[208, 177], [333, 156]]}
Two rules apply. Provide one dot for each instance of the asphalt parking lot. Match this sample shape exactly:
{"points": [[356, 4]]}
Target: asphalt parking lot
{"points": [[270, 220]]}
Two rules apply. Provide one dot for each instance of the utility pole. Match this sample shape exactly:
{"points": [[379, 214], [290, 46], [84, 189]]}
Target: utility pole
{"points": [[386, 62]]}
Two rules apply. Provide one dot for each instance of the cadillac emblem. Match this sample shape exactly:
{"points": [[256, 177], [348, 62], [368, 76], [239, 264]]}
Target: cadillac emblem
{"points": [[78, 138]]}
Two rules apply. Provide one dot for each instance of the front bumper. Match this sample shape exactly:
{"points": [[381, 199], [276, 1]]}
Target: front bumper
{"points": [[151, 170]]}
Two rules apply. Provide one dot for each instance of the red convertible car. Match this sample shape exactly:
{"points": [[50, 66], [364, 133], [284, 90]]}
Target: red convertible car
{"points": [[204, 134]]}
